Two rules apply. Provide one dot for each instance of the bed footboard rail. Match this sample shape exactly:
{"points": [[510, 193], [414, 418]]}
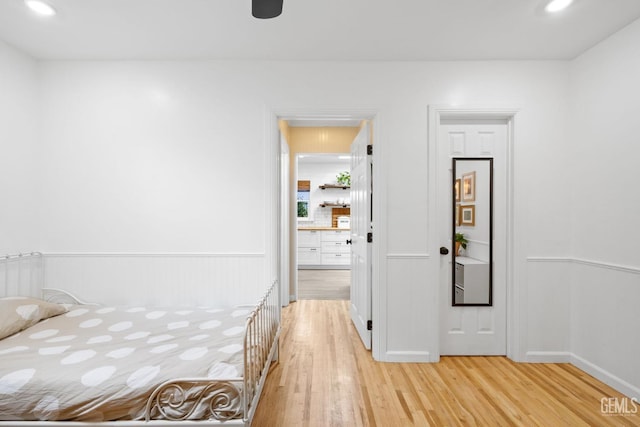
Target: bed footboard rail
{"points": [[229, 400], [201, 398], [261, 347]]}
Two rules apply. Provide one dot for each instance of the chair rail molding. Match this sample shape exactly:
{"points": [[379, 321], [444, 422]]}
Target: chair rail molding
{"points": [[590, 263]]}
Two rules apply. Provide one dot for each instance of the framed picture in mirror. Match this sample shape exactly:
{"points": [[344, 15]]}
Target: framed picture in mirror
{"points": [[468, 215], [469, 187], [457, 189]]}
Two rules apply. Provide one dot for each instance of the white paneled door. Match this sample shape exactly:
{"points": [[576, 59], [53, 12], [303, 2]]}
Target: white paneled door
{"points": [[361, 190], [473, 330]]}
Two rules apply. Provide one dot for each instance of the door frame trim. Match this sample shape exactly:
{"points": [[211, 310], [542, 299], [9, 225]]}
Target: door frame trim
{"points": [[272, 193], [516, 298]]}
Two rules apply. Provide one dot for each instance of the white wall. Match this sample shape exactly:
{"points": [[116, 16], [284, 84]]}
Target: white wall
{"points": [[605, 196], [19, 173], [319, 174], [152, 157], [170, 157]]}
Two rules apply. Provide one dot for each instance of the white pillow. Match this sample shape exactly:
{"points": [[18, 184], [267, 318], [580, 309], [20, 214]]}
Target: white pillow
{"points": [[18, 313]]}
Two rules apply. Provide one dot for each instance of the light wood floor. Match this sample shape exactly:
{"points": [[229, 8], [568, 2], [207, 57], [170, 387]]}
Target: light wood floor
{"points": [[324, 284], [326, 378]]}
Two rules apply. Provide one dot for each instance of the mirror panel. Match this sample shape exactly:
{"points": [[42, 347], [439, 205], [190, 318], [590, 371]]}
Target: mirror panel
{"points": [[472, 219]]}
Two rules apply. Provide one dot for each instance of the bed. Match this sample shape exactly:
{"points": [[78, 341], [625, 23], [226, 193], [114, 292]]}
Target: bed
{"points": [[67, 362]]}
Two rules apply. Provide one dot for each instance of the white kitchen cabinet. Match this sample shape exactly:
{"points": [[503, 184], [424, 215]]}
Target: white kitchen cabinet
{"points": [[324, 249], [309, 256], [338, 236], [335, 250], [309, 238], [309, 244]]}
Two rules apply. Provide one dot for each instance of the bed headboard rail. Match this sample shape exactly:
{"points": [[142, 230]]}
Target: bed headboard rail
{"points": [[21, 274]]}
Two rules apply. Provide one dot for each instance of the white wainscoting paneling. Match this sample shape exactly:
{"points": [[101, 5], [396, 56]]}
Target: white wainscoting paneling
{"points": [[159, 278], [548, 310], [604, 322], [411, 309], [600, 300]]}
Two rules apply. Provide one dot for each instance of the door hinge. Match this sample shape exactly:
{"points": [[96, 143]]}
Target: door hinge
{"points": [[369, 237], [370, 149], [369, 325]]}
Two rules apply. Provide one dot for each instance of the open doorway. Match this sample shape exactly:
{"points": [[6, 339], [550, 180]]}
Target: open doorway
{"points": [[323, 209], [319, 206], [359, 235]]}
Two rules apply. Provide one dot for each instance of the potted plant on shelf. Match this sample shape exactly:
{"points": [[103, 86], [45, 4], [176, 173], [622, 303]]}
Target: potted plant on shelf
{"points": [[461, 241], [344, 178]]}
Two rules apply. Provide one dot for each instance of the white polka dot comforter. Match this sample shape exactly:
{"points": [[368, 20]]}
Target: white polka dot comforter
{"points": [[102, 363]]}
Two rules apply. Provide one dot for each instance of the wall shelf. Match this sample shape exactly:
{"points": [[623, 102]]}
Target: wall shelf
{"points": [[325, 186], [334, 205]]}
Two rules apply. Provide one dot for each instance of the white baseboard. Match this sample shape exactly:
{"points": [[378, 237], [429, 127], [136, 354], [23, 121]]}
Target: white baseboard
{"points": [[606, 377], [407, 356], [584, 365], [548, 357]]}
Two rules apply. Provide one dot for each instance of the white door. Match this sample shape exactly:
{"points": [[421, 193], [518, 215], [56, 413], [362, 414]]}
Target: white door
{"points": [[361, 190], [473, 330]]}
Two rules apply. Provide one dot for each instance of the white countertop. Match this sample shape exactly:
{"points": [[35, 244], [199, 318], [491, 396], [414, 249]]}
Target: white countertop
{"points": [[322, 229]]}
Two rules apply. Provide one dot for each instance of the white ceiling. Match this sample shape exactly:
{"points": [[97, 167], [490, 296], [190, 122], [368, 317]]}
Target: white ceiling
{"points": [[313, 29], [323, 158], [323, 122]]}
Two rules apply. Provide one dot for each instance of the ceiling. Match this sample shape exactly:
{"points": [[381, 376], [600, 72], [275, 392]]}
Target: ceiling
{"points": [[313, 29], [324, 122], [324, 158]]}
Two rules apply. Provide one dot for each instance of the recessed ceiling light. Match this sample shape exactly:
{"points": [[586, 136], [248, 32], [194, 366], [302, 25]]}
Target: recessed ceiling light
{"points": [[40, 7], [558, 5]]}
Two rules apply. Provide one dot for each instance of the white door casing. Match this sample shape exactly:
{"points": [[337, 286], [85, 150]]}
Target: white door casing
{"points": [[473, 330], [285, 207], [361, 189]]}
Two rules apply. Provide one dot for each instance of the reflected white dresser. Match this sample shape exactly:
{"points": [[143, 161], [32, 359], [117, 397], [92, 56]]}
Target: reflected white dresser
{"points": [[472, 281]]}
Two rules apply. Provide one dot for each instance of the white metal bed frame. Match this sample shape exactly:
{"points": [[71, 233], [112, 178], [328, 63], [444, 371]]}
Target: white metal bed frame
{"points": [[231, 402], [22, 272]]}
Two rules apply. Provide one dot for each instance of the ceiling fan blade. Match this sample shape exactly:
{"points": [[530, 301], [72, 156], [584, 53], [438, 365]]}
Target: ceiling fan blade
{"points": [[265, 9]]}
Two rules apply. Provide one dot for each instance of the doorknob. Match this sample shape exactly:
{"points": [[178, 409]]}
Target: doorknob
{"points": [[349, 242], [444, 250]]}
